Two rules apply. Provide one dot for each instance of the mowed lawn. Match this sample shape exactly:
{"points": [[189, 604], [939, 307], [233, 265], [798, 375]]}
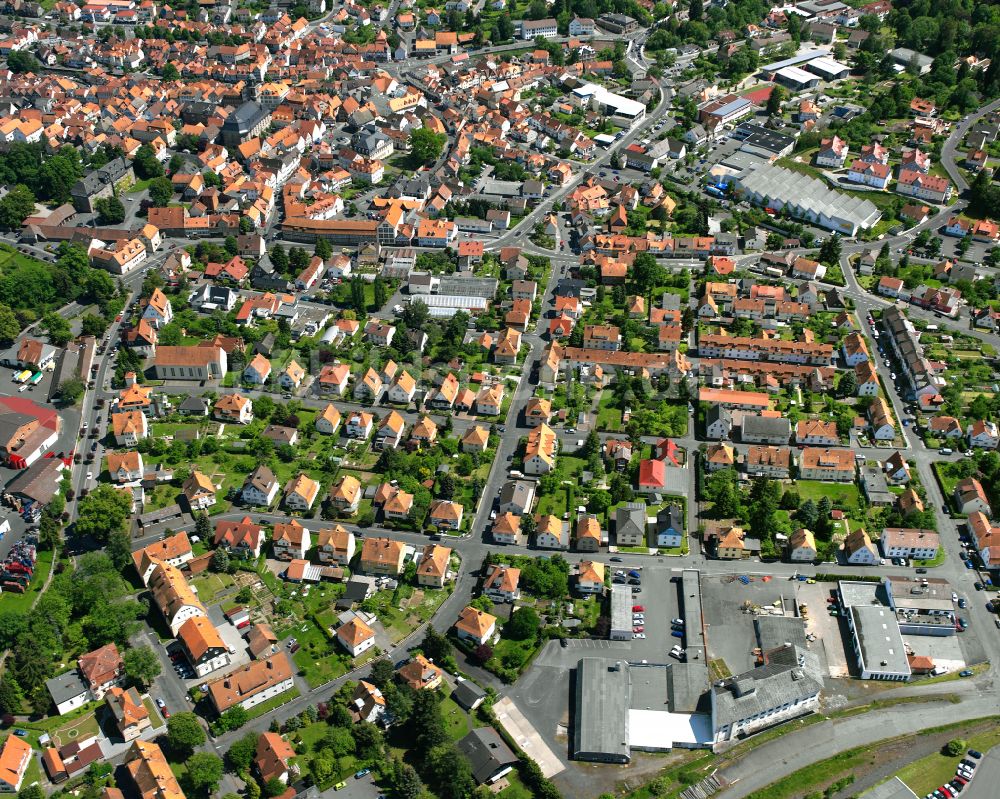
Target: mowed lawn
{"points": [[844, 495]]}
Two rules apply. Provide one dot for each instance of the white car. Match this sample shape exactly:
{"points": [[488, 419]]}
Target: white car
{"points": [[954, 597], [641, 636], [90, 475]]}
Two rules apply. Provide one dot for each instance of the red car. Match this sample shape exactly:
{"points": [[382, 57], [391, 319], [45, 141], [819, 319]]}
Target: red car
{"points": [[638, 609], [638, 628]]}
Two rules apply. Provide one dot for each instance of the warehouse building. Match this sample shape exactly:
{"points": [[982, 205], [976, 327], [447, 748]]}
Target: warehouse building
{"points": [[878, 643], [622, 706], [807, 198], [828, 69], [797, 60], [796, 79]]}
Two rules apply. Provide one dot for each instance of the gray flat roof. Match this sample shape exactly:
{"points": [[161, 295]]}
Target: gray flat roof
{"points": [[649, 686], [775, 631], [801, 58], [689, 681], [600, 730], [912, 593], [856, 592], [621, 608], [880, 641]]}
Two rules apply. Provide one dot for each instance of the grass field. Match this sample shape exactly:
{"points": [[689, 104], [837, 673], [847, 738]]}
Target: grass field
{"points": [[842, 494], [78, 729], [210, 584], [455, 719], [316, 657]]}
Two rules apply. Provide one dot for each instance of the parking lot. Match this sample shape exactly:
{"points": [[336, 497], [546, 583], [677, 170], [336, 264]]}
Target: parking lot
{"points": [[365, 788], [660, 604]]}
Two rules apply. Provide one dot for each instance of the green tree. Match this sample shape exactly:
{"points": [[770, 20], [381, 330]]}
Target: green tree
{"points": [[57, 328], [807, 514], [381, 297], [503, 29], [338, 741], [368, 739], [358, 296], [426, 146], [58, 173], [404, 780], [450, 773], [381, 673], [110, 211], [103, 511], [955, 747], [71, 390], [141, 665], [119, 549], [279, 257], [145, 163], [323, 249], [427, 723], [220, 560], [16, 206], [775, 99], [11, 698], [21, 61], [100, 286], [93, 325], [435, 646], [170, 72], [10, 328], [161, 191], [523, 625], [829, 252], [721, 490], [184, 732], [204, 771], [646, 272], [33, 791], [234, 718]]}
